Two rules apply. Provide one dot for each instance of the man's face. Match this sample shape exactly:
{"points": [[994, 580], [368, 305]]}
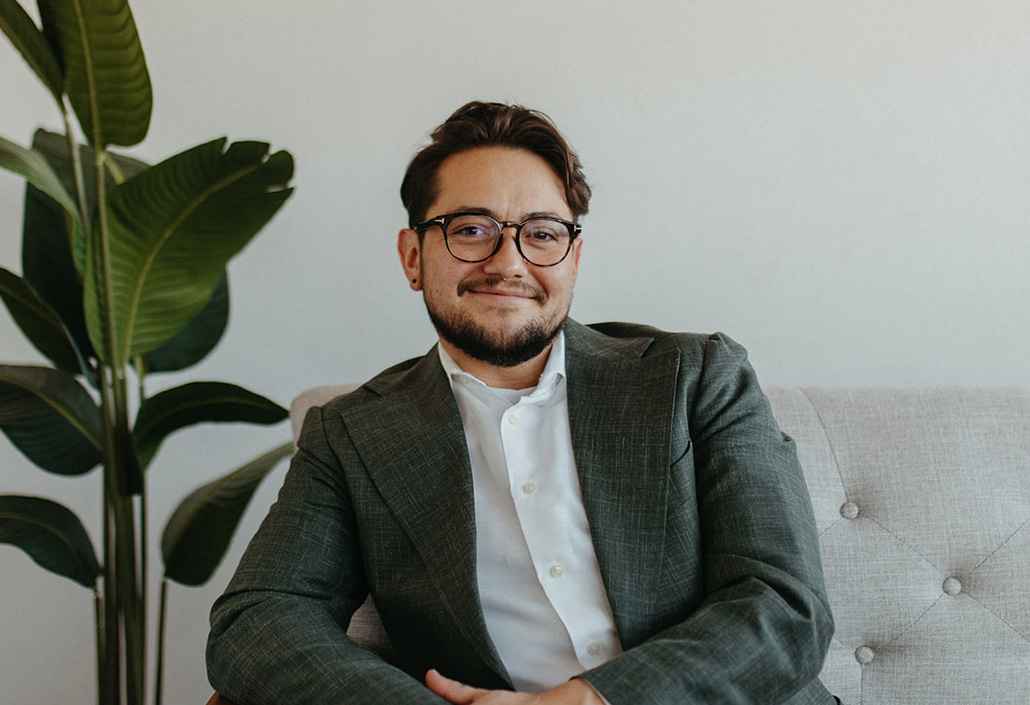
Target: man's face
{"points": [[503, 310]]}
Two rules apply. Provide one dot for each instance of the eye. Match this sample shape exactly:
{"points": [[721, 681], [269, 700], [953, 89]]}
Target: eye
{"points": [[473, 227], [544, 232]]}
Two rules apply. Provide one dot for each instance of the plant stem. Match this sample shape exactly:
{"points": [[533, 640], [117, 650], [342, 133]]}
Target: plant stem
{"points": [[102, 697], [111, 683], [116, 171], [105, 604], [143, 589], [144, 582], [128, 579], [162, 607], [116, 435], [80, 189]]}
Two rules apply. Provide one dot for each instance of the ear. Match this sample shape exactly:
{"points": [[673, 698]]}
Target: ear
{"points": [[576, 247], [408, 250]]}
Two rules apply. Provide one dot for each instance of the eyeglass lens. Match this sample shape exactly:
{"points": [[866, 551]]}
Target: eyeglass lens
{"points": [[474, 237]]}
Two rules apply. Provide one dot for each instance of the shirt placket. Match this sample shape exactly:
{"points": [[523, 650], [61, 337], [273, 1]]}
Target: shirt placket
{"points": [[536, 494]]}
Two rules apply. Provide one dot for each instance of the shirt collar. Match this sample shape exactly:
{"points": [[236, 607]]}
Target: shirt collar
{"points": [[553, 372]]}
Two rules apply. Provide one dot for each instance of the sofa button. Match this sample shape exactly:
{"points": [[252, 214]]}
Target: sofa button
{"points": [[863, 655], [952, 586], [849, 510]]}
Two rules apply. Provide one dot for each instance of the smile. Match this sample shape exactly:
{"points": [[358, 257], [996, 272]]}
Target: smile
{"points": [[501, 294]]}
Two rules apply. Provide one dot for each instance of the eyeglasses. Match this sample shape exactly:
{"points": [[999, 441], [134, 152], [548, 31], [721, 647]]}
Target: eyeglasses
{"points": [[474, 237]]}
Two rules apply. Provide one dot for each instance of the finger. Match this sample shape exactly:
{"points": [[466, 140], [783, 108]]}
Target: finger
{"points": [[455, 691], [448, 688]]}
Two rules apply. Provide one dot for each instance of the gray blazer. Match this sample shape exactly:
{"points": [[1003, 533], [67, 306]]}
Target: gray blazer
{"points": [[700, 517]]}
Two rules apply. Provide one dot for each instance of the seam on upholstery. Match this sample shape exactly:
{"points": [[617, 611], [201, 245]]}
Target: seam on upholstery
{"points": [[861, 684], [906, 545], [914, 622], [837, 521], [1000, 546], [1002, 619], [826, 435]]}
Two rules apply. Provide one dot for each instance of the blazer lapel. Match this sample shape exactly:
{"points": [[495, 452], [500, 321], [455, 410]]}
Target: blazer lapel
{"points": [[414, 449], [620, 414]]}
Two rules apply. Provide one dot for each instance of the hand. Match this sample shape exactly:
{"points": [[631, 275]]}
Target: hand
{"points": [[461, 694], [571, 692]]}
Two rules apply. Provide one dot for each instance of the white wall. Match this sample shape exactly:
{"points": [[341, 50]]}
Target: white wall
{"points": [[841, 187]]}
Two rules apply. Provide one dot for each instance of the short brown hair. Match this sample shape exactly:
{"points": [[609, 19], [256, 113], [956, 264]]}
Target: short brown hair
{"points": [[479, 124]]}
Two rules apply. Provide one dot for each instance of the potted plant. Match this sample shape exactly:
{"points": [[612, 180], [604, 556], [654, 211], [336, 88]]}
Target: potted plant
{"points": [[123, 268]]}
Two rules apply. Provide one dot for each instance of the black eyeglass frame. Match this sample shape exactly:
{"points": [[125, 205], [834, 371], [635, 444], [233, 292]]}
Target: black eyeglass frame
{"points": [[445, 219]]}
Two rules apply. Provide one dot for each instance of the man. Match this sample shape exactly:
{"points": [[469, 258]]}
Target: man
{"points": [[544, 512]]}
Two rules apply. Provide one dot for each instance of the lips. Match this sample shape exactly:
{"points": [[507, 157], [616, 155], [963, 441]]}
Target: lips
{"points": [[494, 292]]}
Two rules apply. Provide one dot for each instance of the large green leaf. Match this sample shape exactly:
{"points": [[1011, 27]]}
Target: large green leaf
{"points": [[173, 229], [32, 45], [54, 147], [48, 268], [46, 265], [193, 343], [198, 533], [34, 167], [198, 402], [190, 345], [50, 418], [41, 325], [52, 536], [105, 73]]}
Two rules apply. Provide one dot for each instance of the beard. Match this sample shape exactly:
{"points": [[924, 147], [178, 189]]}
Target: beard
{"points": [[474, 340]]}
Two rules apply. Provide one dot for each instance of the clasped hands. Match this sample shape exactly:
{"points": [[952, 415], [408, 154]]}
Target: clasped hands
{"points": [[571, 692]]}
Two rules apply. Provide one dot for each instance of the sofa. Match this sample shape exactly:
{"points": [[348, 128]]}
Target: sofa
{"points": [[922, 501]]}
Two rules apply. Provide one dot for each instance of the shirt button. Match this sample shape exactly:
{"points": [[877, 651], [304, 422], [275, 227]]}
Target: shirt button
{"points": [[864, 655], [529, 487], [557, 570], [513, 419], [595, 649]]}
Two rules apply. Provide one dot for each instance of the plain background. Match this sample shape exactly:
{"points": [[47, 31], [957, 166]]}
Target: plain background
{"points": [[841, 187]]}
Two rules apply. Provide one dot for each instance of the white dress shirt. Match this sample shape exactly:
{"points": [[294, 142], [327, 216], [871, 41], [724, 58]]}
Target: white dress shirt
{"points": [[543, 598]]}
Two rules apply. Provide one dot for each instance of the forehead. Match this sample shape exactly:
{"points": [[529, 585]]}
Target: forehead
{"points": [[509, 181]]}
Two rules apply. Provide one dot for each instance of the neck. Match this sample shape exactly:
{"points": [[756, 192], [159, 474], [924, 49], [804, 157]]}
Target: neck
{"points": [[521, 376]]}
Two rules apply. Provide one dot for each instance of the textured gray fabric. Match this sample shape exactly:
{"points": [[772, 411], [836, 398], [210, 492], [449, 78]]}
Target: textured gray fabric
{"points": [[698, 507], [922, 499]]}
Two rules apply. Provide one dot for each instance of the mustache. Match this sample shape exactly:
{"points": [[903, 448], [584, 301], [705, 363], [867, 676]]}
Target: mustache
{"points": [[495, 283]]}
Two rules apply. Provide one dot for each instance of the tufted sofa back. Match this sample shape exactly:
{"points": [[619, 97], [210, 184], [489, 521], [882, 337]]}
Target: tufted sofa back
{"points": [[922, 501]]}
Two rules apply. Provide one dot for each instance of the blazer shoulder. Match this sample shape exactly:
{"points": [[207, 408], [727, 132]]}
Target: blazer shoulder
{"points": [[372, 388], [713, 355], [691, 344]]}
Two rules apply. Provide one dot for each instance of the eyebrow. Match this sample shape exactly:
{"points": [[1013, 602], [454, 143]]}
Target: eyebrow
{"points": [[487, 211]]}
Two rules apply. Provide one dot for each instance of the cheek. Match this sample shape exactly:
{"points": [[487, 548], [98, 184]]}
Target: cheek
{"points": [[556, 287], [442, 281]]}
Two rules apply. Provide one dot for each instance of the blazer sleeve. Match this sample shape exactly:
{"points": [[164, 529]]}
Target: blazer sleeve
{"points": [[278, 632], [764, 627]]}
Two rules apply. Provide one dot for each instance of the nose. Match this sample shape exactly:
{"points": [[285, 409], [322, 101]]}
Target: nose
{"points": [[506, 261]]}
